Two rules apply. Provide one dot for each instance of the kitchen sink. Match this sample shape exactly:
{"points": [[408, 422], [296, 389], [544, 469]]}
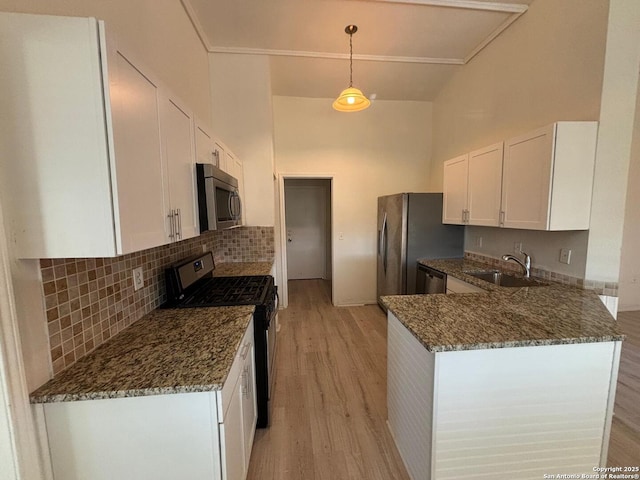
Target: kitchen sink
{"points": [[505, 279]]}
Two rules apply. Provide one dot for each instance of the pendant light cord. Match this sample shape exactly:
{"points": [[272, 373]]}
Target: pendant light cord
{"points": [[350, 60]]}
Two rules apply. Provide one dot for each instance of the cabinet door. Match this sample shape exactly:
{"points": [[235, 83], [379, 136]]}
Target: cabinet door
{"points": [[232, 438], [137, 181], [179, 166], [249, 406], [55, 175], [454, 188], [485, 184], [220, 156], [526, 179], [204, 145]]}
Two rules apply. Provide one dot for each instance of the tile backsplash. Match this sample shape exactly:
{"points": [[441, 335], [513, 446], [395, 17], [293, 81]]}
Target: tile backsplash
{"points": [[88, 300]]}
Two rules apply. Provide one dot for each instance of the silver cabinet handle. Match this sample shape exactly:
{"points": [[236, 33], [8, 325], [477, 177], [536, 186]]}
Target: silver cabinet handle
{"points": [[501, 219], [172, 228], [179, 224]]}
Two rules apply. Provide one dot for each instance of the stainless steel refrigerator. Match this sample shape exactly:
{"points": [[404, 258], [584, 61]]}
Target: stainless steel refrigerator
{"points": [[410, 227]]}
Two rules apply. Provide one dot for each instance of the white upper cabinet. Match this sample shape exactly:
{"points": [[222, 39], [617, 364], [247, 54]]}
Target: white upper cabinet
{"points": [[548, 177], [204, 144], [471, 187], [485, 180], [132, 109], [454, 198], [539, 181], [100, 152], [179, 164]]}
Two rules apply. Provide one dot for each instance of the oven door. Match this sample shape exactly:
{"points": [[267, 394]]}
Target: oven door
{"points": [[272, 343]]}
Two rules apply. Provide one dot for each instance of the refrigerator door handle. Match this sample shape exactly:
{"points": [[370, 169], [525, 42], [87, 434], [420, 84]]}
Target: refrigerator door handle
{"points": [[384, 243]]}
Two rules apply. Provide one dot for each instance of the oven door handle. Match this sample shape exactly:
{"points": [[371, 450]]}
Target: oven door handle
{"points": [[246, 348]]}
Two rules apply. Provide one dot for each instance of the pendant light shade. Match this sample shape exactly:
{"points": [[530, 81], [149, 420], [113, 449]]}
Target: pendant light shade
{"points": [[351, 99]]}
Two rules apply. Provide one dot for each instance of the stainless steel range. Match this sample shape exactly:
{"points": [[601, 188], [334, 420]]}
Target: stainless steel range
{"points": [[190, 283]]}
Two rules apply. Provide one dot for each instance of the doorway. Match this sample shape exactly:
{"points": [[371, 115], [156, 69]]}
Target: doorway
{"points": [[306, 238]]}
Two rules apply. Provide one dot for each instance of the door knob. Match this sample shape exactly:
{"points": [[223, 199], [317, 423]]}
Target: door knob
{"points": [[289, 240]]}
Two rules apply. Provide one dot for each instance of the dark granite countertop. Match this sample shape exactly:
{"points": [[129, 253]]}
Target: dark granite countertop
{"points": [[238, 269], [502, 317], [166, 351]]}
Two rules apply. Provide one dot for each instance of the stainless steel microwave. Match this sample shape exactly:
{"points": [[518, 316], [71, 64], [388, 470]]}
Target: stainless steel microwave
{"points": [[219, 203]]}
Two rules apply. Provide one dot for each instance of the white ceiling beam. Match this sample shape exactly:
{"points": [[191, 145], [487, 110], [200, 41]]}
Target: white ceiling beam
{"points": [[337, 56], [465, 4]]}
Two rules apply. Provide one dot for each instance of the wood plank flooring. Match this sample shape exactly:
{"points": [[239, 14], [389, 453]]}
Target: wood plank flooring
{"points": [[329, 405], [624, 443]]}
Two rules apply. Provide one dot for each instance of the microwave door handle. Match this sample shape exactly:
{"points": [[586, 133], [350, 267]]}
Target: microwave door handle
{"points": [[210, 195], [239, 205], [230, 204]]}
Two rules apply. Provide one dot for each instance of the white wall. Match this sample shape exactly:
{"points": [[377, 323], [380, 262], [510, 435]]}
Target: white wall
{"points": [[379, 151], [243, 119], [548, 66], [617, 112], [630, 266]]}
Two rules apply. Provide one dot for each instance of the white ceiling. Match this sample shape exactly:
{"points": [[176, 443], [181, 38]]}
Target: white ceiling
{"points": [[403, 50]]}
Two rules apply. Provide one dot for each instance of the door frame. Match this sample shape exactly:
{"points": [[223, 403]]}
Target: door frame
{"points": [[284, 289]]}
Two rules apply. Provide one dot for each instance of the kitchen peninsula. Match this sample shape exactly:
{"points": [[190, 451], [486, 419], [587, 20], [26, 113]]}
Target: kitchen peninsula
{"points": [[508, 383]]}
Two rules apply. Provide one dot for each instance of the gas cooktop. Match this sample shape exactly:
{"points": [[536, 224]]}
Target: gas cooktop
{"points": [[221, 291]]}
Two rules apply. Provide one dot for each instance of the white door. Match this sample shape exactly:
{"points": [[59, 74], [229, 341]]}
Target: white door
{"points": [[306, 221]]}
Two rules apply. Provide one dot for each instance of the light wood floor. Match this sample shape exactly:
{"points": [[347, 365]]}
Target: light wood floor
{"points": [[624, 444], [329, 405]]}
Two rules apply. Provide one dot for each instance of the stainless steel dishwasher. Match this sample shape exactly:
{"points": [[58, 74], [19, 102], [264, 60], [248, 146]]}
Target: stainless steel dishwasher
{"points": [[429, 280]]}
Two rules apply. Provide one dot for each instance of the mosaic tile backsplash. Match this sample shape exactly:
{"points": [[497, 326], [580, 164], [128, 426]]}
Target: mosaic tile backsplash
{"points": [[88, 300]]}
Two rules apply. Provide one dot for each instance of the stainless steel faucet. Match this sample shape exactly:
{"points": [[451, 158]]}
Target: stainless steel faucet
{"points": [[526, 265]]}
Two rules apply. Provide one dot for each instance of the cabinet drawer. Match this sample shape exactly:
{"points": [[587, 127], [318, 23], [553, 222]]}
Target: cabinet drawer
{"points": [[225, 395]]}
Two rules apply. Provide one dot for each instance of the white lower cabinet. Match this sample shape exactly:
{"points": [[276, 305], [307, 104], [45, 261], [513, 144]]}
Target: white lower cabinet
{"points": [[499, 413], [196, 436]]}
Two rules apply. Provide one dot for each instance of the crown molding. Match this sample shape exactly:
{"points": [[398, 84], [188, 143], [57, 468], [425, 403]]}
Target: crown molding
{"points": [[516, 10], [464, 4], [336, 56], [493, 35], [195, 21]]}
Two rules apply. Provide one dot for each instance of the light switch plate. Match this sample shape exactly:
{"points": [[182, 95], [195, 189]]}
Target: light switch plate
{"points": [[138, 278]]}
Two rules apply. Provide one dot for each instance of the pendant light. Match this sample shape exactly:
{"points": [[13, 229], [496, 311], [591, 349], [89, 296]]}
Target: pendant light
{"points": [[351, 99]]}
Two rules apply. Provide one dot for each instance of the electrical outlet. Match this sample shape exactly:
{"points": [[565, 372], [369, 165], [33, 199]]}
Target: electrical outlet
{"points": [[204, 248], [138, 278], [478, 241], [565, 255], [517, 247]]}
